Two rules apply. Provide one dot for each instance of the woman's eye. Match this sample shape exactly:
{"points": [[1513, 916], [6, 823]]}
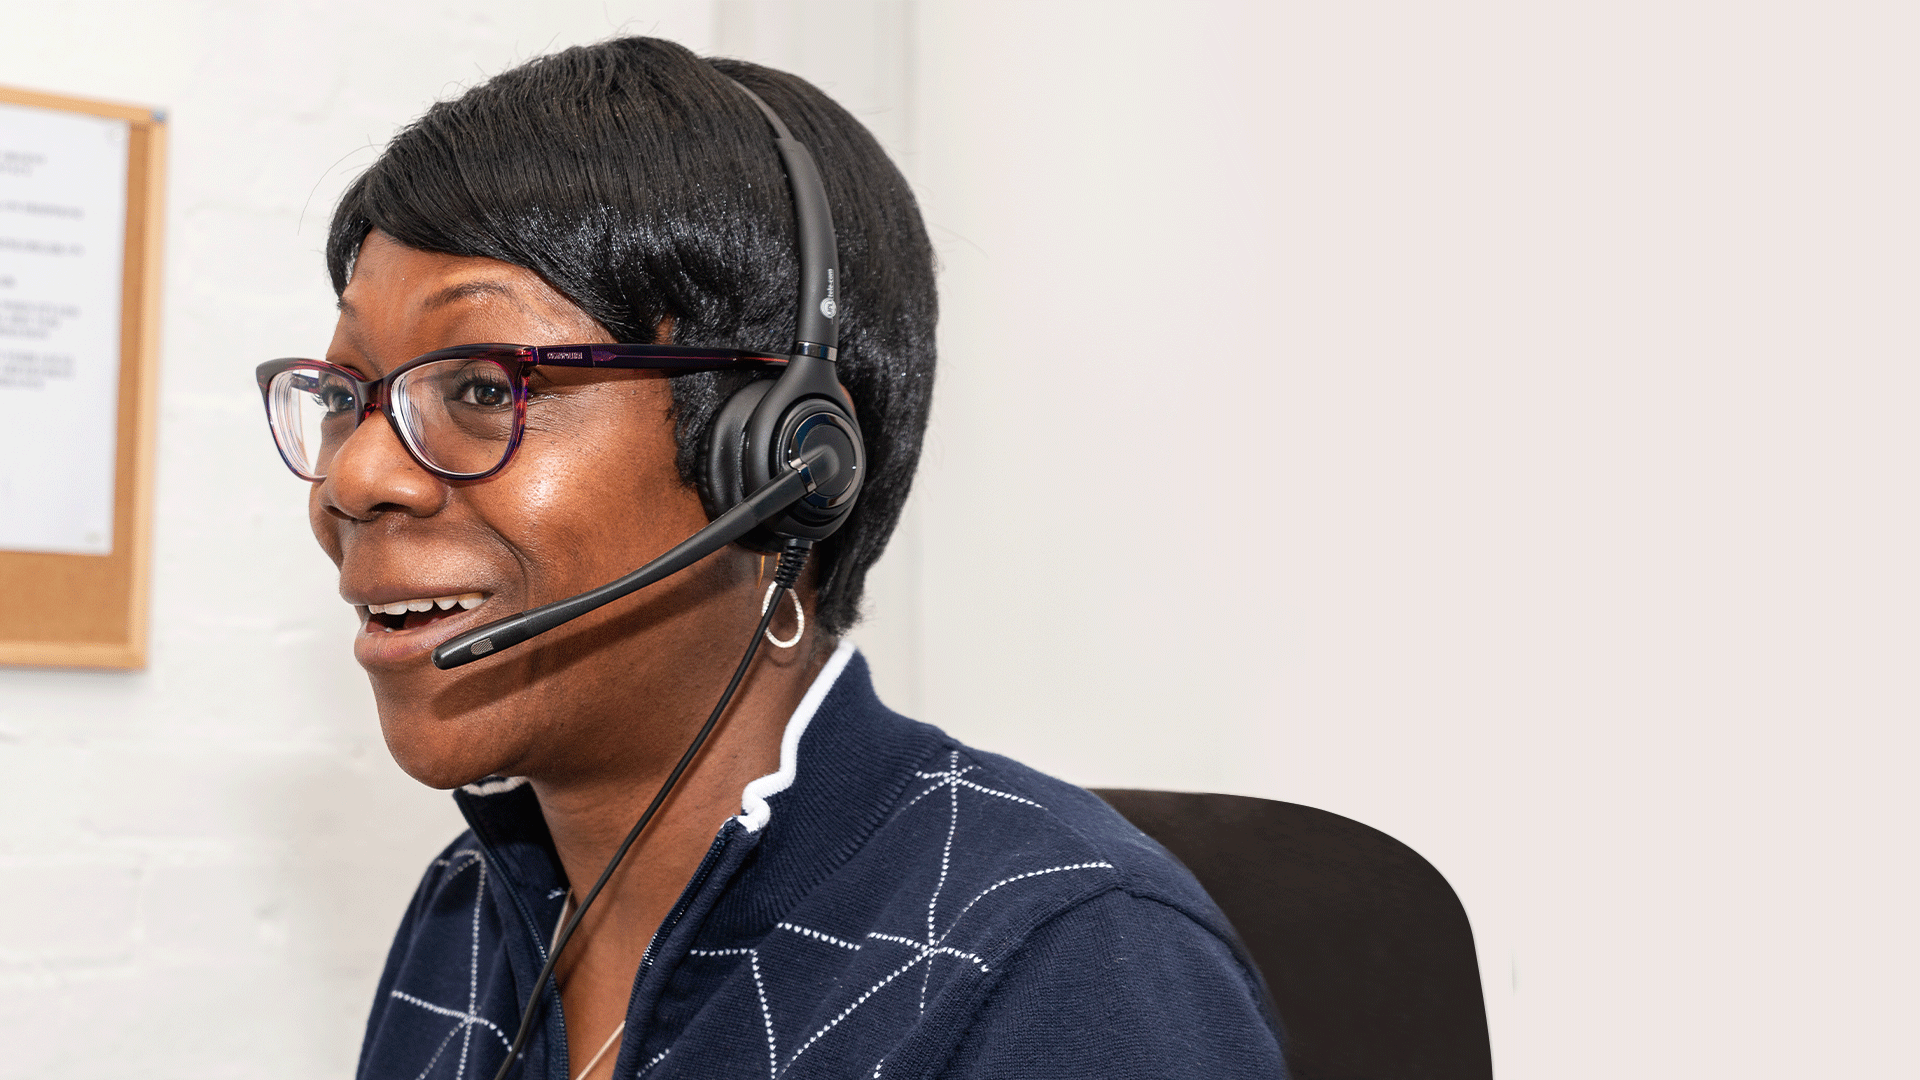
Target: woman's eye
{"points": [[335, 399], [484, 393]]}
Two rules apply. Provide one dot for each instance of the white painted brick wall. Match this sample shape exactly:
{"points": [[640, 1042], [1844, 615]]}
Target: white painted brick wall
{"points": [[201, 864]]}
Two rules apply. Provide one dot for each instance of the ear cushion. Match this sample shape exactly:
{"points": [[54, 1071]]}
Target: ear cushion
{"points": [[762, 427], [724, 483]]}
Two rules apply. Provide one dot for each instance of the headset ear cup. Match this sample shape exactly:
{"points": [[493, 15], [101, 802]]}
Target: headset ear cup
{"points": [[817, 422], [764, 426], [725, 481]]}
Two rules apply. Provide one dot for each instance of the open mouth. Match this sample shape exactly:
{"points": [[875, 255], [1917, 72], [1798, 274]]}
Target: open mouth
{"points": [[414, 614]]}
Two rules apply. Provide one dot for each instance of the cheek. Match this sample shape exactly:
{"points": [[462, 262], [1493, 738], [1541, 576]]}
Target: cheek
{"points": [[602, 494], [591, 490], [550, 491]]}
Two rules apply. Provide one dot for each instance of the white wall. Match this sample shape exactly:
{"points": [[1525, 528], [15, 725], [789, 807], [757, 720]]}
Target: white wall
{"points": [[1494, 422], [1488, 421]]}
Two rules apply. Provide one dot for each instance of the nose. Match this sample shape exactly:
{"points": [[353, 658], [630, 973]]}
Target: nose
{"points": [[372, 473]]}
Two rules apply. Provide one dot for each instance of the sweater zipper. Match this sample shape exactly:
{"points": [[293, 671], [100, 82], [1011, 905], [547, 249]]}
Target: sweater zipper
{"points": [[680, 906], [636, 1034]]}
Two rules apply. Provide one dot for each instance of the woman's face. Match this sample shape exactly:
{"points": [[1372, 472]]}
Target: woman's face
{"points": [[591, 494]]}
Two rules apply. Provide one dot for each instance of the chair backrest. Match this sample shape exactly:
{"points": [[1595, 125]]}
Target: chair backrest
{"points": [[1366, 951]]}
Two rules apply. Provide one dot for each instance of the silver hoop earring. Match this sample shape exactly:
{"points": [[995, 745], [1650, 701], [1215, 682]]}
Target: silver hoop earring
{"points": [[799, 615]]}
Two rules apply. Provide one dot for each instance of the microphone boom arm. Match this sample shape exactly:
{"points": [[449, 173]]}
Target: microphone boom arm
{"points": [[756, 509]]}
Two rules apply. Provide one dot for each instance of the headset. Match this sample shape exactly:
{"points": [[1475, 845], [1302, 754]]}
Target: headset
{"points": [[784, 459], [767, 428], [784, 465]]}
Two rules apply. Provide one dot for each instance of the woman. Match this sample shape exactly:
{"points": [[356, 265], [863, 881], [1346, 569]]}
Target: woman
{"points": [[829, 889]]}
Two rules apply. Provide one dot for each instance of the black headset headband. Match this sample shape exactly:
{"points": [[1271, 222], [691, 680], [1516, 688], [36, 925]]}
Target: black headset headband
{"points": [[817, 325]]}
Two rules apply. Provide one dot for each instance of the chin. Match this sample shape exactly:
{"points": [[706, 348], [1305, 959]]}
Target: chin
{"points": [[439, 752]]}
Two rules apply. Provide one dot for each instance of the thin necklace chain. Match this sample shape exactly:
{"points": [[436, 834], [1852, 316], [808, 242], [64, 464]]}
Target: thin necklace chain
{"points": [[566, 909]]}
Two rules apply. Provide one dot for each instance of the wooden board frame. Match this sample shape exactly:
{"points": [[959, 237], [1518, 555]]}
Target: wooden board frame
{"points": [[91, 610]]}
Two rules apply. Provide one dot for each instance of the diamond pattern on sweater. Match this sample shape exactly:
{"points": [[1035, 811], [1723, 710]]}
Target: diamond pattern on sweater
{"points": [[922, 950]]}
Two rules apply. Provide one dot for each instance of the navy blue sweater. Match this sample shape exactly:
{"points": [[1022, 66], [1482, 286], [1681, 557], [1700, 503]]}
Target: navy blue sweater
{"points": [[890, 904]]}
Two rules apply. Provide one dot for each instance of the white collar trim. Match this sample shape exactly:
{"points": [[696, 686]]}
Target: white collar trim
{"points": [[754, 811], [494, 785]]}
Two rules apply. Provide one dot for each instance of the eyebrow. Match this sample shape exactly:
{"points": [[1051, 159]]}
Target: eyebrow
{"points": [[465, 290], [469, 289]]}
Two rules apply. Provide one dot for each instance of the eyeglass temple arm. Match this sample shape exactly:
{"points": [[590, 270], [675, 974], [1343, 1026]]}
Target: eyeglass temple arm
{"points": [[652, 357], [756, 510]]}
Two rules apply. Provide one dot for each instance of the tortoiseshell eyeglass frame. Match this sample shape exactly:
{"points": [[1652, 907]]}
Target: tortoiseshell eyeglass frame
{"points": [[518, 361]]}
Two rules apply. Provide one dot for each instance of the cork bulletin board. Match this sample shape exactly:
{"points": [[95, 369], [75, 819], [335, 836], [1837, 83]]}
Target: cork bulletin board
{"points": [[80, 221]]}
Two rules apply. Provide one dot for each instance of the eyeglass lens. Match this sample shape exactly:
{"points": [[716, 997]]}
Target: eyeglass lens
{"points": [[456, 415]]}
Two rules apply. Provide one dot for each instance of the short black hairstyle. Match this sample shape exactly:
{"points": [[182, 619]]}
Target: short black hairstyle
{"points": [[646, 189]]}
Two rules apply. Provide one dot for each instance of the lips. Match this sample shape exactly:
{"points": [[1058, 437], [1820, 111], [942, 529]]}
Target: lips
{"points": [[401, 630]]}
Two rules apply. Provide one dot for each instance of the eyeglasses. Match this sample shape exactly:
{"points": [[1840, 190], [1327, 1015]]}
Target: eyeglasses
{"points": [[460, 412]]}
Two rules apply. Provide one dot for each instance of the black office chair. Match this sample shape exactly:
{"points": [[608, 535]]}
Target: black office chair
{"points": [[1364, 946]]}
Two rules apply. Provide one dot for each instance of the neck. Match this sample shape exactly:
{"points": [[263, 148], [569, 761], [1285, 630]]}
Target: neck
{"points": [[589, 814]]}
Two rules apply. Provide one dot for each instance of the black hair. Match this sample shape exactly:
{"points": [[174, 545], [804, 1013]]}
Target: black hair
{"points": [[644, 188]]}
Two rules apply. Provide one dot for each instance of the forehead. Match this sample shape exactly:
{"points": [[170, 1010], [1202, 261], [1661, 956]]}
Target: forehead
{"points": [[402, 302]]}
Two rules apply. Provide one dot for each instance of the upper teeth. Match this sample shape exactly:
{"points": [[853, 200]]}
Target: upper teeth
{"points": [[467, 602]]}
